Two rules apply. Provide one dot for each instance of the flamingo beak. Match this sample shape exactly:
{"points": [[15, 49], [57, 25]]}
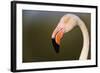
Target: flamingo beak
{"points": [[57, 39], [55, 45]]}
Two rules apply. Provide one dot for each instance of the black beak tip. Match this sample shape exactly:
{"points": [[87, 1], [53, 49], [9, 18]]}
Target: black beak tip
{"points": [[55, 45]]}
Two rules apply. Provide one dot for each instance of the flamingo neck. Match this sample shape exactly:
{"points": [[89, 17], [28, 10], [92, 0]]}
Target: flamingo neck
{"points": [[85, 48]]}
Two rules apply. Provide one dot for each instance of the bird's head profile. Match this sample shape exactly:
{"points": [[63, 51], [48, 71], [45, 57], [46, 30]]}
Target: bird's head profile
{"points": [[66, 23]]}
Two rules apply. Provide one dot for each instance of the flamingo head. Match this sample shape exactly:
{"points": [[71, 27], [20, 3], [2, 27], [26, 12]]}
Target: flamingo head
{"points": [[65, 25]]}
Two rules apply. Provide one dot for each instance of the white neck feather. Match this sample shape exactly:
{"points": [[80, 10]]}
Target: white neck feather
{"points": [[85, 49]]}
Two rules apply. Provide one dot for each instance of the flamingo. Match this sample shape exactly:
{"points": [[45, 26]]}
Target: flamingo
{"points": [[66, 24]]}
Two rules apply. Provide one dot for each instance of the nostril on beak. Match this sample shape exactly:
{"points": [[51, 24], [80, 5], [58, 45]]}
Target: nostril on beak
{"points": [[55, 45]]}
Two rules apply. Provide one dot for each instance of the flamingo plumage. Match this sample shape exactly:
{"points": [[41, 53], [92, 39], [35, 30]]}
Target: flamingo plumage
{"points": [[66, 24]]}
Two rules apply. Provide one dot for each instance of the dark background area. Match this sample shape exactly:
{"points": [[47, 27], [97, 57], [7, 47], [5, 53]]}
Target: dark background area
{"points": [[37, 30]]}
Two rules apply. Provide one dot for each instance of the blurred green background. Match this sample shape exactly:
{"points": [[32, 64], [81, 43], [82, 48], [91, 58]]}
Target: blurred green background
{"points": [[37, 30]]}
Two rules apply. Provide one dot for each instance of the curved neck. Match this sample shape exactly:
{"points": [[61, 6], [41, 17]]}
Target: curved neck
{"points": [[85, 48]]}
